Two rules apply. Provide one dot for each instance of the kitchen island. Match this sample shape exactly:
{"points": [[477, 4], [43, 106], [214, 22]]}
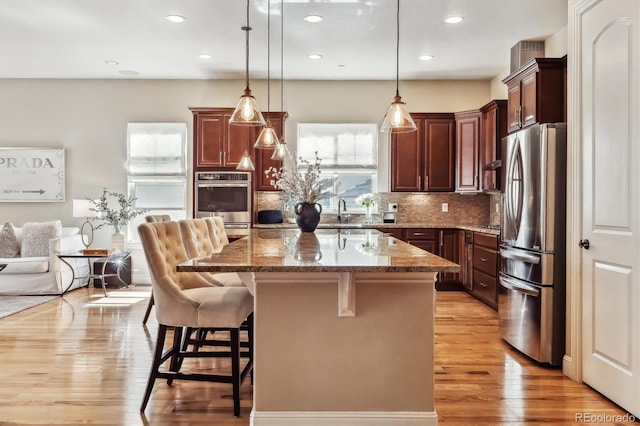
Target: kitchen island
{"points": [[343, 325]]}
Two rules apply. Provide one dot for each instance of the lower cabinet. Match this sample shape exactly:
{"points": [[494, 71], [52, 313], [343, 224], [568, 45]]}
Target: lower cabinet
{"points": [[466, 259], [485, 268]]}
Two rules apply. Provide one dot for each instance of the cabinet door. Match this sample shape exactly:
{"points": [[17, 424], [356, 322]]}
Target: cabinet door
{"points": [[513, 101], [467, 261], [494, 128], [467, 157], [263, 157], [209, 136], [406, 160], [449, 250], [528, 99], [439, 154], [238, 140], [429, 245]]}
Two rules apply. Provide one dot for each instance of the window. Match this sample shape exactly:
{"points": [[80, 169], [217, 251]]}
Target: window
{"points": [[349, 153], [156, 170]]}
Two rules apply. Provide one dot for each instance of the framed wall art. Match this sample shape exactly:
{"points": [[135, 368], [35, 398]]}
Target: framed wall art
{"points": [[32, 174]]}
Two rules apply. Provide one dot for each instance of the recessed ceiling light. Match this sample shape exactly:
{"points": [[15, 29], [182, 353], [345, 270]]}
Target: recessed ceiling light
{"points": [[315, 56], [314, 19], [454, 19], [128, 72], [175, 18], [111, 62], [205, 56], [426, 57], [340, 65]]}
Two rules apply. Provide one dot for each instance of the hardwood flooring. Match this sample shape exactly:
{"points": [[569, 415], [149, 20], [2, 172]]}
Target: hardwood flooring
{"points": [[70, 361]]}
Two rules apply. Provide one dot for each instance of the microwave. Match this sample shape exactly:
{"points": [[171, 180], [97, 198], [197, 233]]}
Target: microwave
{"points": [[224, 194]]}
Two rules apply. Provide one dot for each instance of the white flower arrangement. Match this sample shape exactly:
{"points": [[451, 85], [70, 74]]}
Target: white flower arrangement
{"points": [[115, 217], [299, 187], [367, 200]]}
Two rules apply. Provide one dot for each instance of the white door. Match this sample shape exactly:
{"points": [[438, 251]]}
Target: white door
{"points": [[608, 43]]}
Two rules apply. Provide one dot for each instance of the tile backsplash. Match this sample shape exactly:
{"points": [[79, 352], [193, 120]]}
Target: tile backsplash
{"points": [[476, 209]]}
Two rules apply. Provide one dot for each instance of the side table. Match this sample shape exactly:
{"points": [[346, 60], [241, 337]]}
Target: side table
{"points": [[118, 259]]}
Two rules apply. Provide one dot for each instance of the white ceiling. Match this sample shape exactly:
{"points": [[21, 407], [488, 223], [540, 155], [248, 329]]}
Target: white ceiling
{"points": [[76, 38]]}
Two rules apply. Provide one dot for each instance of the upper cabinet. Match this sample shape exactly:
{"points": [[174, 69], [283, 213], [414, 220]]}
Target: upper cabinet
{"points": [[425, 160], [493, 129], [215, 143], [537, 93], [467, 151]]}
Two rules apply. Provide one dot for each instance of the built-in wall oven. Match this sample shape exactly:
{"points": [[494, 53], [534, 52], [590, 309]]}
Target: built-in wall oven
{"points": [[224, 194]]}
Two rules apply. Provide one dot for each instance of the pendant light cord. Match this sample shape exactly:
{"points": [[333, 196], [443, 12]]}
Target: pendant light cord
{"points": [[247, 28], [268, 57], [282, 58], [397, 49]]}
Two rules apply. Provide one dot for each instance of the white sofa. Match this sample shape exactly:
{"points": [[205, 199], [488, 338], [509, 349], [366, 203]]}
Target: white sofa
{"points": [[45, 274]]}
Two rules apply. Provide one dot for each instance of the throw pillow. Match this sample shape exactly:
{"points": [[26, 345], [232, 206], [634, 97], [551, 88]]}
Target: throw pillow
{"points": [[9, 246], [36, 236]]}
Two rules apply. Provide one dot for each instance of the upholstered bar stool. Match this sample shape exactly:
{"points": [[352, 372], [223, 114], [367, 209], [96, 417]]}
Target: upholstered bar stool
{"points": [[198, 241], [188, 300], [150, 219]]}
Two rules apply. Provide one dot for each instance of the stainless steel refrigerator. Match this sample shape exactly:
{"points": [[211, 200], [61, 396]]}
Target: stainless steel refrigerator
{"points": [[531, 304]]}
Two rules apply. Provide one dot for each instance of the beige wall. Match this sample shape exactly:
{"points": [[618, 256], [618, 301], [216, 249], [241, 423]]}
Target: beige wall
{"points": [[89, 118]]}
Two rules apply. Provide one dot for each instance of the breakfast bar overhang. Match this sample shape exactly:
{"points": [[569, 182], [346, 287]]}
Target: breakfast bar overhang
{"points": [[343, 325]]}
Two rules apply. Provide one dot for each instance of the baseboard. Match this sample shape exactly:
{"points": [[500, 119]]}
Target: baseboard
{"points": [[343, 418]]}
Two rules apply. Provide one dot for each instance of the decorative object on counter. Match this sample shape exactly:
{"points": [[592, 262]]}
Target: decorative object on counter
{"points": [[270, 216], [368, 200], [267, 139], [308, 216], [247, 112], [398, 119], [303, 191], [82, 208], [369, 247], [118, 217], [245, 164]]}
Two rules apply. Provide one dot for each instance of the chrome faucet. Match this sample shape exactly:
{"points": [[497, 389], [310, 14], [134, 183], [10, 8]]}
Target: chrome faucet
{"points": [[344, 209]]}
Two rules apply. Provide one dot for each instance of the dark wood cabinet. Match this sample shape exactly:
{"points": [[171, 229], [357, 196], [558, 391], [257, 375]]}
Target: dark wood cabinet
{"points": [[425, 238], [424, 160], [537, 93], [448, 239], [467, 151], [493, 129], [466, 259], [263, 156], [485, 268], [217, 144]]}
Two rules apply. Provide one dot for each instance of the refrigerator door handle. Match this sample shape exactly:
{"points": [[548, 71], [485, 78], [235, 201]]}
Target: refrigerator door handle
{"points": [[529, 258], [518, 286]]}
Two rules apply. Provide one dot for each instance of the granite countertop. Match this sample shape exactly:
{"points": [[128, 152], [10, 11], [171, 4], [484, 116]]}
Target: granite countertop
{"points": [[475, 228], [326, 250]]}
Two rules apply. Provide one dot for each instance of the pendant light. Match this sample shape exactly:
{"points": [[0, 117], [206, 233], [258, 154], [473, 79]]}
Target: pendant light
{"points": [[398, 120], [245, 164], [267, 137], [247, 112], [281, 150]]}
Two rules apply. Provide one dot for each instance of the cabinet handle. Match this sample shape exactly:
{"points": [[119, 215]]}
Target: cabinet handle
{"points": [[220, 157], [426, 182], [483, 285], [483, 259], [419, 233], [224, 157], [420, 182], [441, 238]]}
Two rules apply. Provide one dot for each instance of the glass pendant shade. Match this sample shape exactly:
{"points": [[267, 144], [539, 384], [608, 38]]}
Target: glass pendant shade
{"points": [[247, 112], [245, 164], [398, 120], [280, 152], [267, 138]]}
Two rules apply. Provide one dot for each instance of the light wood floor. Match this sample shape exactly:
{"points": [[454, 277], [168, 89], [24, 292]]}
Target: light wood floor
{"points": [[71, 362]]}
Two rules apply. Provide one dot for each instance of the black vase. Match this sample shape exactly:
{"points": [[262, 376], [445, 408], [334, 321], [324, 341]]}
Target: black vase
{"points": [[308, 216]]}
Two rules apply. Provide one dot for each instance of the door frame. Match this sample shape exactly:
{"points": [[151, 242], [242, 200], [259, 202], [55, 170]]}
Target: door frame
{"points": [[572, 361]]}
